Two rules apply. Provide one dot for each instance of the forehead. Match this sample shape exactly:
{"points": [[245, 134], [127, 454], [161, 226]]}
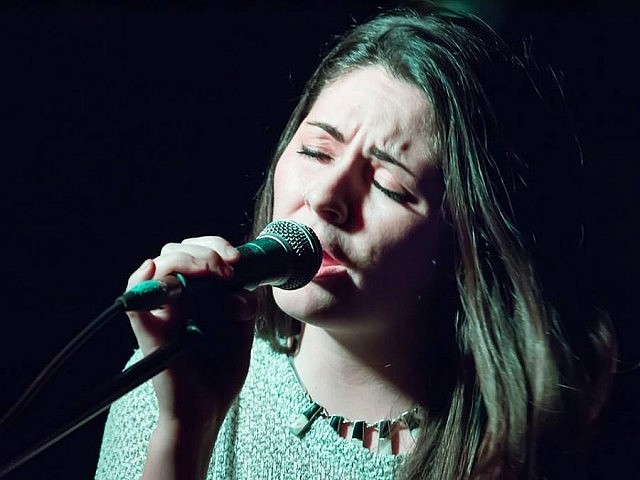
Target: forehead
{"points": [[393, 112]]}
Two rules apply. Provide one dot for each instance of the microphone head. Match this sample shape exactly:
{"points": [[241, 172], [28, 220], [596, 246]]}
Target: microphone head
{"points": [[304, 247]]}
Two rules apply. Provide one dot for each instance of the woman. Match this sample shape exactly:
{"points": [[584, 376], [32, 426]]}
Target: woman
{"points": [[439, 337]]}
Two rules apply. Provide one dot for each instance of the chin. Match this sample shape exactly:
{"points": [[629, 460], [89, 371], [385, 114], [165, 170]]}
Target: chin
{"points": [[304, 303], [315, 305]]}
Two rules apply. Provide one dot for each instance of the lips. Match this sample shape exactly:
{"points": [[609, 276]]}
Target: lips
{"points": [[334, 262], [328, 260], [330, 266]]}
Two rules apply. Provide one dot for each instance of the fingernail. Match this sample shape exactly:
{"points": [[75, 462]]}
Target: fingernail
{"points": [[227, 270], [230, 252], [145, 264]]}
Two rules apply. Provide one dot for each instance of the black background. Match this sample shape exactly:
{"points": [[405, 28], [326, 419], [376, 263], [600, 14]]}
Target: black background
{"points": [[125, 126]]}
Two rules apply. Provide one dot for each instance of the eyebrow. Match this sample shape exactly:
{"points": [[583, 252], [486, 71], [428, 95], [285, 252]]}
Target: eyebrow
{"points": [[385, 157], [330, 129], [376, 152]]}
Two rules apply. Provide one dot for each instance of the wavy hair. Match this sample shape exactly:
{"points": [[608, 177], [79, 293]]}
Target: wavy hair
{"points": [[516, 366]]}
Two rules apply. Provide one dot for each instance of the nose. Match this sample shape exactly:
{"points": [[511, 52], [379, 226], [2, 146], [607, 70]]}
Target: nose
{"points": [[335, 192]]}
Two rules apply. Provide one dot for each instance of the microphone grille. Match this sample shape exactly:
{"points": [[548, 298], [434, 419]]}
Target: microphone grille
{"points": [[305, 247]]}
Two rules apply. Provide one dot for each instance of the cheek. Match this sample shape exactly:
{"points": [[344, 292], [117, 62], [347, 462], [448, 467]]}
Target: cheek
{"points": [[406, 258]]}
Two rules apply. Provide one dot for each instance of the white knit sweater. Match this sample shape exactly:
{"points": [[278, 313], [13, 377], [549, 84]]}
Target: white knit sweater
{"points": [[254, 442]]}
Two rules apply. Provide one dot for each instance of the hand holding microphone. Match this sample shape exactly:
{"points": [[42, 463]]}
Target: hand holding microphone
{"points": [[285, 255]]}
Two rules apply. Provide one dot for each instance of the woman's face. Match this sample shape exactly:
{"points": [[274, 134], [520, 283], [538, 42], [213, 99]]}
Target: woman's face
{"points": [[360, 171]]}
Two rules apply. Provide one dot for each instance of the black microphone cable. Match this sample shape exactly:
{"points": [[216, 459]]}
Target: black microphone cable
{"points": [[56, 362], [297, 253], [101, 400], [286, 254]]}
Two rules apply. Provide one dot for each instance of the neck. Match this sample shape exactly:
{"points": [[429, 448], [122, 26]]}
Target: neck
{"points": [[360, 377]]}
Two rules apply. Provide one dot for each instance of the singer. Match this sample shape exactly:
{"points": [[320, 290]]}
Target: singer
{"points": [[444, 335]]}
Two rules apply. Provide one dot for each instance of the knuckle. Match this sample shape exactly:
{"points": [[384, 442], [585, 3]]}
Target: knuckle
{"points": [[169, 247]]}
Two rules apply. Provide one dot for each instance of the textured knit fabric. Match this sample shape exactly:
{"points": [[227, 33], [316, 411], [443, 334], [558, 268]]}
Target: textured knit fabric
{"points": [[254, 442]]}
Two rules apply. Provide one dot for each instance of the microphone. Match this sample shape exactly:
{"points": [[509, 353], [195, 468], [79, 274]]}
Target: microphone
{"points": [[286, 254]]}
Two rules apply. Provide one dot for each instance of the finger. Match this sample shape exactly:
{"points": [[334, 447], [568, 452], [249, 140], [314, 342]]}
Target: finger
{"points": [[226, 251], [144, 272], [200, 261]]}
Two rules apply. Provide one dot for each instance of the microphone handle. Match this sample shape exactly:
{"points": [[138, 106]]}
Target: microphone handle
{"points": [[264, 261]]}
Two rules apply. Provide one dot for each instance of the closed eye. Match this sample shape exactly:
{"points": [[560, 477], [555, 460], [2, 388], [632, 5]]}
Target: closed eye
{"points": [[308, 152], [401, 197]]}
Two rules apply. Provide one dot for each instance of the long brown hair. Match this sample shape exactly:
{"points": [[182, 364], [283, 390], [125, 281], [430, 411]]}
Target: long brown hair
{"points": [[514, 369]]}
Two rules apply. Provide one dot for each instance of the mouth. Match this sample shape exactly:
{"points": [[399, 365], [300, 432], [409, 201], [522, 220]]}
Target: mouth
{"points": [[334, 262], [329, 260], [330, 266]]}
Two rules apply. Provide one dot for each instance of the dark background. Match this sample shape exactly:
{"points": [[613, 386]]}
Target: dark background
{"points": [[125, 126]]}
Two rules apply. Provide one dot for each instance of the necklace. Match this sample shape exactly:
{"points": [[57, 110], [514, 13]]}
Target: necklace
{"points": [[382, 430]]}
